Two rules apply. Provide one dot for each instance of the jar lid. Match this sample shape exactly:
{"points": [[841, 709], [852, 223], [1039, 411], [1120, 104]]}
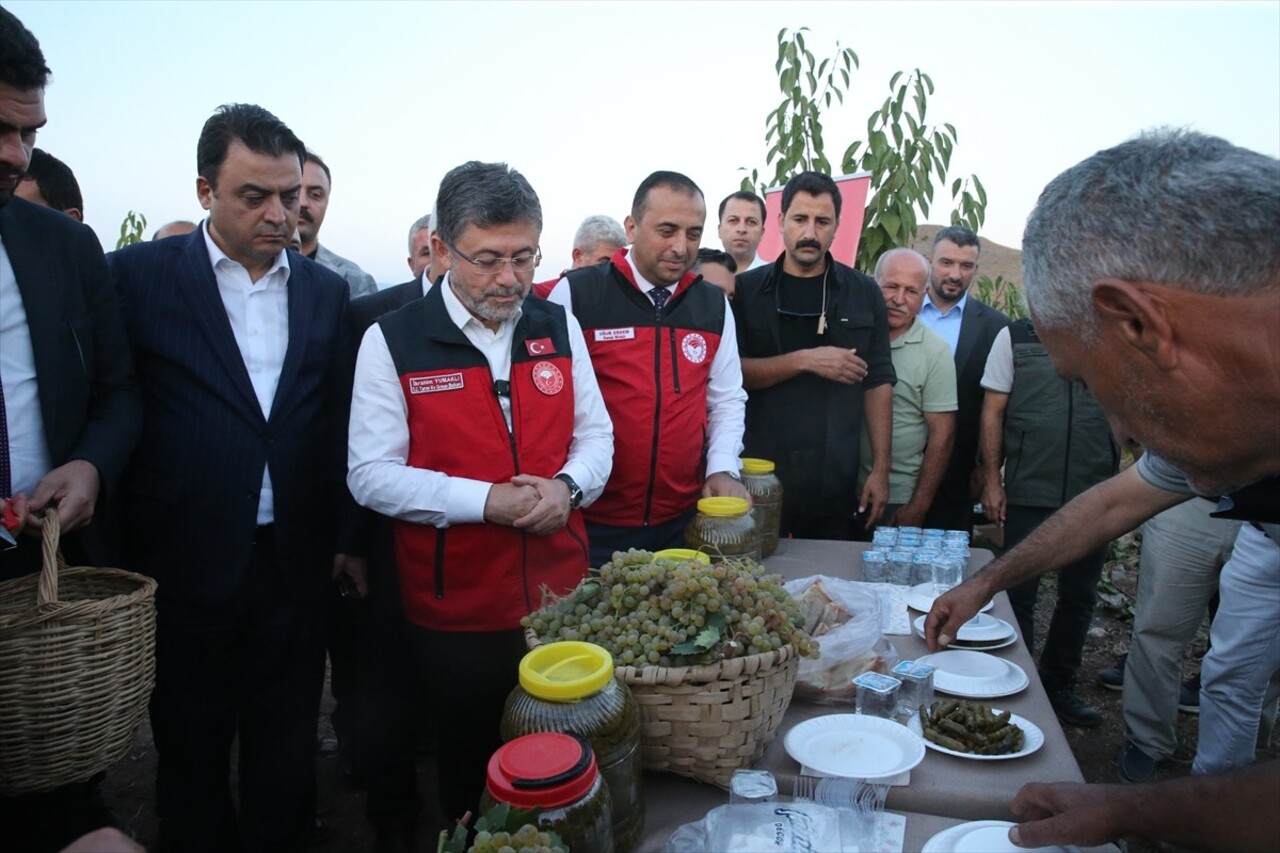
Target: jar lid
{"points": [[682, 555], [542, 770], [756, 467], [723, 507], [566, 671]]}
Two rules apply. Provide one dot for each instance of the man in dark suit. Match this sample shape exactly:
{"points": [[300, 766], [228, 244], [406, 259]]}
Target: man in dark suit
{"points": [[968, 327], [232, 499], [70, 412]]}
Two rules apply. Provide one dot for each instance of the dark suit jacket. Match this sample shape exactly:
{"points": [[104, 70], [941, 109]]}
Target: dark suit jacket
{"points": [[192, 489], [365, 310], [978, 329], [89, 399]]}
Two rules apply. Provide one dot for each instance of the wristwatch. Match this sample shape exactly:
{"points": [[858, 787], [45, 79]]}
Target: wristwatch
{"points": [[575, 493]]}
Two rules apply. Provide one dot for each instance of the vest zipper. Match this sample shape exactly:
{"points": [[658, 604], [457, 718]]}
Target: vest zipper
{"points": [[657, 419], [675, 363], [515, 462]]}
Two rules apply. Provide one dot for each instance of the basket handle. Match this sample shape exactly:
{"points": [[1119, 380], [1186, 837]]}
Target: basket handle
{"points": [[47, 588]]}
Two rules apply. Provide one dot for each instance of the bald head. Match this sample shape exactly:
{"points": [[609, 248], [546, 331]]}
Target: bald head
{"points": [[174, 229], [903, 275]]}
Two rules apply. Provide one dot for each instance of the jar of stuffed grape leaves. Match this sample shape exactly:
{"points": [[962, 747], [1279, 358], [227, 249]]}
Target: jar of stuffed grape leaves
{"points": [[569, 686], [723, 528], [555, 775], [766, 496]]}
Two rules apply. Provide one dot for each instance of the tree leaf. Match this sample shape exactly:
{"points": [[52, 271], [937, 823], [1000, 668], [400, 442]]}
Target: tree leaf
{"points": [[893, 81]]}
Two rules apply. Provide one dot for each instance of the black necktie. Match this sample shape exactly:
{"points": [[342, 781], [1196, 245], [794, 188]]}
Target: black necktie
{"points": [[659, 295]]}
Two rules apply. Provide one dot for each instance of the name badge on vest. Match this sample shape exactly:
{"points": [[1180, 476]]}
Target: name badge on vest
{"points": [[541, 346], [547, 378], [432, 384], [615, 334]]}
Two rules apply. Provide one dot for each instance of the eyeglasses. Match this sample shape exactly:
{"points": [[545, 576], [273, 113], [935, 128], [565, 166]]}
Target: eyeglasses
{"points": [[493, 266]]}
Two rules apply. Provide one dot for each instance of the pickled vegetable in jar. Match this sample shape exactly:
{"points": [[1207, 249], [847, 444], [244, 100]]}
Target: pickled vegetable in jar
{"points": [[569, 686], [766, 495], [724, 528], [556, 775]]}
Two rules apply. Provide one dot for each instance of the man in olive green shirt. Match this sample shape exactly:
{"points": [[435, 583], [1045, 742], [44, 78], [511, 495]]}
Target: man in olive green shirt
{"points": [[924, 399]]}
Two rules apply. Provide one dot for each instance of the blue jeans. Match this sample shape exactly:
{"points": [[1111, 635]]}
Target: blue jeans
{"points": [[1244, 654]]}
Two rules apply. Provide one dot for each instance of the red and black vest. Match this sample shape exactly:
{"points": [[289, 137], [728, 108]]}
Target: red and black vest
{"points": [[483, 577], [653, 373]]}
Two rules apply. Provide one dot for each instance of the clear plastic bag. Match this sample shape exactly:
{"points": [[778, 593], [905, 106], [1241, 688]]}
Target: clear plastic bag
{"points": [[848, 633], [759, 827]]}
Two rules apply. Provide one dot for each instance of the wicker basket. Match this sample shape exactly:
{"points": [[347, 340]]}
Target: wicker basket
{"points": [[704, 722], [77, 663]]}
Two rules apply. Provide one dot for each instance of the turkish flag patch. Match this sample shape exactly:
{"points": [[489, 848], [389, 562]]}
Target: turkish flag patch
{"points": [[540, 346]]}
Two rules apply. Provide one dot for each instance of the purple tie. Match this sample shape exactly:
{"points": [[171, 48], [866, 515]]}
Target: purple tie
{"points": [[659, 295]]}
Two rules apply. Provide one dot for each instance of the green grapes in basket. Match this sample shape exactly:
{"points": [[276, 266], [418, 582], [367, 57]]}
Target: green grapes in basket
{"points": [[663, 612]]}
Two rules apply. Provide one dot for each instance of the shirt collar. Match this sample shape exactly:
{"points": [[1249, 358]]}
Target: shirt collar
{"points": [[959, 306], [913, 335], [217, 256], [641, 282], [459, 314]]}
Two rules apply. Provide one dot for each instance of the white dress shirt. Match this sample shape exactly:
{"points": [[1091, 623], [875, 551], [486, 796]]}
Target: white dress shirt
{"points": [[28, 450], [726, 398], [378, 472], [259, 315]]}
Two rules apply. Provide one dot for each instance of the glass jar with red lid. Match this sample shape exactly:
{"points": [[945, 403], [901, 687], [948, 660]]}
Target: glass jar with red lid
{"points": [[556, 775]]}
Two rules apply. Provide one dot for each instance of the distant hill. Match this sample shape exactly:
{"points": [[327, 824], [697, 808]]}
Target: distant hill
{"points": [[995, 260]]}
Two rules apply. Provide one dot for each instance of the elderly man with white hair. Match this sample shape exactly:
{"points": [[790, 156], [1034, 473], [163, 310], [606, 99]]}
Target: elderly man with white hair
{"points": [[924, 398]]}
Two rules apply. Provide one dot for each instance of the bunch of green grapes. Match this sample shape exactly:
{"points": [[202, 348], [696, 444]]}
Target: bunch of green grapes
{"points": [[666, 613], [527, 839]]}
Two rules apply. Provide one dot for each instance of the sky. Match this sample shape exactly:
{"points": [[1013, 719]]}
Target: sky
{"points": [[587, 98]]}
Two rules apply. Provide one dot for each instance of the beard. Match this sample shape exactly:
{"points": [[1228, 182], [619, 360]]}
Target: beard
{"points": [[491, 311]]}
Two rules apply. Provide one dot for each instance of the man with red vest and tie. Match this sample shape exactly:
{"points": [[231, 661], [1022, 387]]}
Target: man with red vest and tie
{"points": [[477, 423]]}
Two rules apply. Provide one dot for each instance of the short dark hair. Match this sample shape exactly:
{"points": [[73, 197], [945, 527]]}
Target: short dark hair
{"points": [[22, 64], [959, 235], [742, 195], [257, 129], [56, 181], [313, 157], [813, 183], [671, 180], [715, 256], [484, 195]]}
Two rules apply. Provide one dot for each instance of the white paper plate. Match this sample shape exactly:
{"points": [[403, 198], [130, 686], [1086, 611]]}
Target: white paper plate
{"points": [[1032, 740], [975, 675], [983, 836], [980, 633], [854, 746], [920, 597]]}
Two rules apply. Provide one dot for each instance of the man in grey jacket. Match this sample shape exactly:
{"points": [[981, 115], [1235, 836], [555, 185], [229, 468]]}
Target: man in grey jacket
{"points": [[316, 184]]}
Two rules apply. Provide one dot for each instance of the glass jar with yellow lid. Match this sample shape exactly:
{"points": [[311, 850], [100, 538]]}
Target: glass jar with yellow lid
{"points": [[569, 686], [724, 528], [766, 500]]}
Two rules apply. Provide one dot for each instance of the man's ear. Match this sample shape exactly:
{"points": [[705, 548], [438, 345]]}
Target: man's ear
{"points": [[1138, 316], [74, 213], [577, 257], [204, 192]]}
